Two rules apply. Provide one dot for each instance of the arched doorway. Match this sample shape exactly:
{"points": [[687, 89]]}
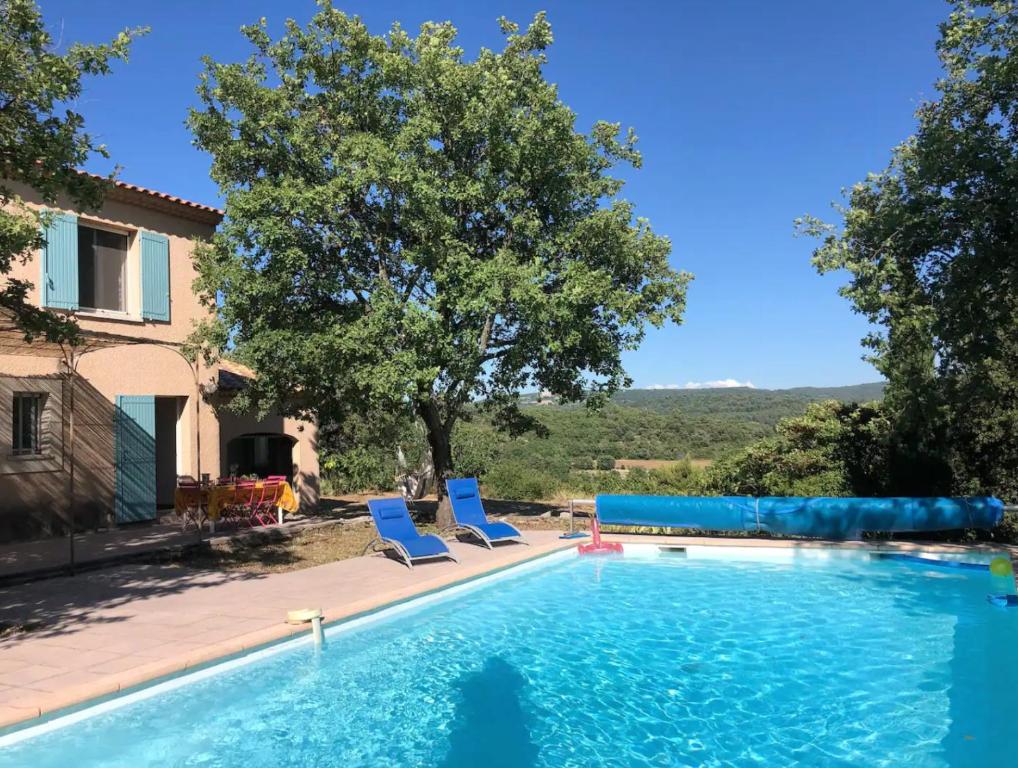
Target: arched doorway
{"points": [[260, 454]]}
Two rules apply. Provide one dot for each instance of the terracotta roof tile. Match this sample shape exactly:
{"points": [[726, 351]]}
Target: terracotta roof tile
{"points": [[161, 195]]}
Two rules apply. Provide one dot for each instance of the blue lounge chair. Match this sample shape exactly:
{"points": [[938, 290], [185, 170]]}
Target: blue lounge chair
{"points": [[468, 514], [397, 530]]}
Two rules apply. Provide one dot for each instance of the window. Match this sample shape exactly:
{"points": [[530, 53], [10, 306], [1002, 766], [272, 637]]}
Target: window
{"points": [[102, 269], [27, 425]]}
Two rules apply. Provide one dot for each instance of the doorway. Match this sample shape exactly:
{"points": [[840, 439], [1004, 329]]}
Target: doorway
{"points": [[168, 447], [261, 455]]}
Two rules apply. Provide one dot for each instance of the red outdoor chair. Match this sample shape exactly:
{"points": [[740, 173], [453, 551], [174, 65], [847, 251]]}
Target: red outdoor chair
{"points": [[238, 511], [194, 511], [263, 505]]}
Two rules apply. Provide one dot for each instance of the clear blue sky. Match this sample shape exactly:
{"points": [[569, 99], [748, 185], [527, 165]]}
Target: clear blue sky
{"points": [[749, 114]]}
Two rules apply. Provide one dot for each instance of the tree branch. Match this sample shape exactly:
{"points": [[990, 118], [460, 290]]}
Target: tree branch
{"points": [[482, 344]]}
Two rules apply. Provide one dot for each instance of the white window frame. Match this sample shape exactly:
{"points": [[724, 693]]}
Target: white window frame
{"points": [[40, 405], [132, 277]]}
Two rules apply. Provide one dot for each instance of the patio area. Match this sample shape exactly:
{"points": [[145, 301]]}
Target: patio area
{"points": [[108, 630]]}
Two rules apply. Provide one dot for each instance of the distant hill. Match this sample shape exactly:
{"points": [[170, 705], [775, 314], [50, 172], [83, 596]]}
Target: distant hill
{"points": [[671, 423], [731, 399], [745, 401]]}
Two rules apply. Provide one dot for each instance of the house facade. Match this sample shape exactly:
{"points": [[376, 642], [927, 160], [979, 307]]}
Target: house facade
{"points": [[140, 413]]}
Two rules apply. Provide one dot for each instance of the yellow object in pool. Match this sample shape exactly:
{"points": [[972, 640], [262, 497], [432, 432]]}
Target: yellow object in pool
{"points": [[1001, 566]]}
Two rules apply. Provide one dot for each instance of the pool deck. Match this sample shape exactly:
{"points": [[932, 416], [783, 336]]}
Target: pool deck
{"points": [[106, 631]]}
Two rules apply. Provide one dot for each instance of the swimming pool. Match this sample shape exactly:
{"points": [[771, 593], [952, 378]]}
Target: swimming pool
{"points": [[716, 656]]}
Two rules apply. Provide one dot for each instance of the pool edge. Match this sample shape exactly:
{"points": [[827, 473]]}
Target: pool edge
{"points": [[138, 679]]}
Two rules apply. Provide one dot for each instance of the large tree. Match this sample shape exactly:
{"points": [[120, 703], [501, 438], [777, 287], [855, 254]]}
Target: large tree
{"points": [[931, 246], [42, 145], [410, 228]]}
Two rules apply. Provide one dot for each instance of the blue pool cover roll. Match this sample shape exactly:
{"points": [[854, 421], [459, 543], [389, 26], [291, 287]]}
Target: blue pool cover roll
{"points": [[826, 517]]}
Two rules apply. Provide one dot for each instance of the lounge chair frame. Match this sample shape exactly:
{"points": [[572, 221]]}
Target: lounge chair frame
{"points": [[373, 546], [473, 529]]}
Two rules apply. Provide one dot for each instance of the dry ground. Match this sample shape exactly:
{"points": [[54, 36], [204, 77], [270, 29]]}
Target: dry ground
{"points": [[345, 531], [659, 463]]}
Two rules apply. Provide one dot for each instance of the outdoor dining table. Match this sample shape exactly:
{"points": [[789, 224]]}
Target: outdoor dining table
{"points": [[209, 500]]}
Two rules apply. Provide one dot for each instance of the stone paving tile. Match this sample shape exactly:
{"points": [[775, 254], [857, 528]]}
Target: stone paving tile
{"points": [[11, 695], [13, 713], [10, 664], [30, 674], [65, 657], [130, 644], [68, 679], [119, 664], [168, 650]]}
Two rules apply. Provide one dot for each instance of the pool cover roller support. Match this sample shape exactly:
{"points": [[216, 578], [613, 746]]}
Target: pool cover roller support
{"points": [[821, 517]]}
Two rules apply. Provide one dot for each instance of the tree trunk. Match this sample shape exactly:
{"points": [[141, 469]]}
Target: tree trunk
{"points": [[441, 457]]}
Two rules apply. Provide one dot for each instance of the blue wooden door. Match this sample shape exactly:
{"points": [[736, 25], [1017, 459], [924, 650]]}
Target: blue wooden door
{"points": [[135, 458]]}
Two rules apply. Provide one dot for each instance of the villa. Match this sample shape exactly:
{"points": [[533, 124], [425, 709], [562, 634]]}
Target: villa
{"points": [[143, 415]]}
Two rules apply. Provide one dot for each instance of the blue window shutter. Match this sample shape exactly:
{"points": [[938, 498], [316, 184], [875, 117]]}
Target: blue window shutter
{"points": [[155, 276], [60, 262], [135, 422]]}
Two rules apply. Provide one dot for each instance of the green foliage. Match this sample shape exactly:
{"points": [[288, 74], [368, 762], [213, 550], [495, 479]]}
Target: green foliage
{"points": [[520, 482], [676, 479], [476, 448], [930, 246], [359, 468], [834, 449], [42, 144], [409, 229], [652, 425], [359, 453]]}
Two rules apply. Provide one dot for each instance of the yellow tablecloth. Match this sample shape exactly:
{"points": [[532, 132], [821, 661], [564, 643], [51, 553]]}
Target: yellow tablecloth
{"points": [[219, 496]]}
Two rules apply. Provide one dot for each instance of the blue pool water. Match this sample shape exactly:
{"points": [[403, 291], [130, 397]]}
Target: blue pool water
{"points": [[641, 661]]}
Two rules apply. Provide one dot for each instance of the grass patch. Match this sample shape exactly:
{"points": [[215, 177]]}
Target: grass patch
{"points": [[272, 551]]}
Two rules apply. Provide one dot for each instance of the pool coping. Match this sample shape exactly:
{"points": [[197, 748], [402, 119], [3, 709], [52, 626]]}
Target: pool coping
{"points": [[76, 698]]}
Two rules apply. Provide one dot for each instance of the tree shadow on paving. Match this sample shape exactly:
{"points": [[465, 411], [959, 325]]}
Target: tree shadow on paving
{"points": [[62, 606]]}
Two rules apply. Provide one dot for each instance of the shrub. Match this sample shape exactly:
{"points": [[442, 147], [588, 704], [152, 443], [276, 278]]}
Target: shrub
{"points": [[676, 479], [358, 469], [518, 482]]}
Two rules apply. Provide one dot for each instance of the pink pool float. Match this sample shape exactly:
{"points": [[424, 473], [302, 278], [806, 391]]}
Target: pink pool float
{"points": [[598, 547]]}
